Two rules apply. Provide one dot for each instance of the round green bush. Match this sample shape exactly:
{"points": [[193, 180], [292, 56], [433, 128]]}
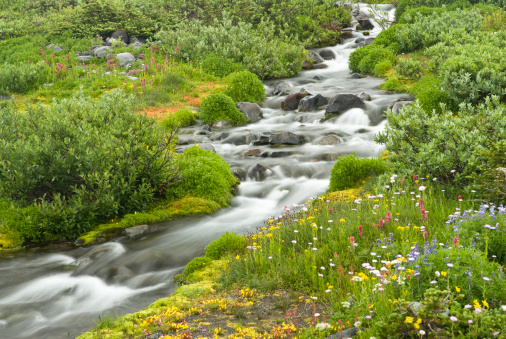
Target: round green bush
{"points": [[349, 170], [203, 174], [182, 118], [218, 106], [245, 86], [196, 264], [365, 59], [429, 94], [228, 243], [220, 67]]}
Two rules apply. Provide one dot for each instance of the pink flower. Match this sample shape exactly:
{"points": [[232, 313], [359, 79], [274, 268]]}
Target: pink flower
{"points": [[424, 216], [455, 242], [352, 240], [388, 217], [360, 228], [425, 235], [460, 198]]}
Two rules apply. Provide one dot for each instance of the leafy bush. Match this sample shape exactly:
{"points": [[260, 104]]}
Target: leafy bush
{"points": [[349, 170], [80, 162], [409, 69], [203, 174], [382, 67], [443, 145], [218, 106], [365, 59], [196, 264], [393, 84], [258, 50], [228, 243], [429, 94], [182, 118], [220, 67], [245, 86], [490, 179], [388, 38], [410, 16], [20, 78]]}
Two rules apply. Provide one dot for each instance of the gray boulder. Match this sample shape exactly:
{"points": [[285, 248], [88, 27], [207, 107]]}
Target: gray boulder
{"points": [[316, 58], [136, 231], [251, 111], [219, 136], [330, 139], [134, 39], [312, 103], [343, 102], [263, 139], [125, 59], [254, 152], [285, 138], [57, 49], [258, 172], [83, 58], [222, 124], [291, 102], [120, 35], [101, 52], [364, 96], [208, 147], [357, 76], [136, 45], [359, 40], [366, 24], [399, 105], [368, 41], [327, 54], [282, 88], [5, 97], [131, 78]]}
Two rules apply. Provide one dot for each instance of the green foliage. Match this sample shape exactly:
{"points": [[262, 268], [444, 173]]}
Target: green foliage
{"points": [[228, 243], [388, 38], [20, 78], [382, 67], [409, 69], [220, 67], [203, 174], [393, 84], [80, 162], [218, 106], [443, 145], [182, 118], [365, 59], [196, 264], [258, 50], [245, 86], [412, 14], [349, 170], [429, 93]]}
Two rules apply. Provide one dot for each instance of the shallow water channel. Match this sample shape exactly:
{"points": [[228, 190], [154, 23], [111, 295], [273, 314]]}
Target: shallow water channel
{"points": [[41, 298]]}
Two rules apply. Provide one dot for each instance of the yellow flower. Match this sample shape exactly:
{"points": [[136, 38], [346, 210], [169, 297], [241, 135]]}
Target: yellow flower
{"points": [[485, 303], [476, 303], [409, 320], [342, 220], [237, 257], [443, 273], [457, 289]]}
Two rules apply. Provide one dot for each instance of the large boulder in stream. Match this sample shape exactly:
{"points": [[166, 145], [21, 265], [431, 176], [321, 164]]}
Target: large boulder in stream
{"points": [[251, 111], [341, 103], [312, 103], [282, 88], [258, 172], [366, 24], [315, 58], [286, 138], [327, 54], [291, 102], [399, 105]]}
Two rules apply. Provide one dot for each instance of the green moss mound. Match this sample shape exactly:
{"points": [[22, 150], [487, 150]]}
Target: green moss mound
{"points": [[218, 106], [349, 170], [228, 243], [182, 118], [245, 86]]}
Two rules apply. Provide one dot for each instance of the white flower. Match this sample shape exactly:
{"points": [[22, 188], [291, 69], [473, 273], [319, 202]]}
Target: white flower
{"points": [[317, 314], [486, 279], [437, 273], [452, 318], [357, 323], [421, 188], [345, 304], [356, 278], [503, 308], [322, 326], [422, 332], [294, 241], [434, 179]]}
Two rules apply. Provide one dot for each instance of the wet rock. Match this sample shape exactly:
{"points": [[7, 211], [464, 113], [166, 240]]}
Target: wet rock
{"points": [[291, 102], [156, 335], [251, 111], [315, 58], [136, 45], [364, 96], [203, 132], [280, 154], [255, 152], [183, 142], [286, 138], [125, 59], [263, 139], [399, 105], [348, 333], [359, 40], [5, 97], [222, 124], [206, 128], [219, 136], [357, 76], [341, 103], [366, 24], [368, 41], [362, 130], [208, 147], [239, 173], [312, 103], [239, 139], [330, 139], [101, 52], [346, 33], [317, 77], [57, 49], [320, 66], [120, 35], [134, 39], [258, 172], [282, 88], [136, 231], [303, 118], [306, 64], [327, 54], [83, 58]]}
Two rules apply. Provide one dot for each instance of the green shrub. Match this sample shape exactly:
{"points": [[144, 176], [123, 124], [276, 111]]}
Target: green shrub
{"points": [[349, 170], [196, 264], [365, 59], [445, 146], [257, 49], [228, 243], [20, 78], [203, 174], [409, 16], [81, 162], [388, 38], [382, 67], [393, 84], [220, 67], [182, 118], [429, 94], [245, 86], [409, 69], [218, 106]]}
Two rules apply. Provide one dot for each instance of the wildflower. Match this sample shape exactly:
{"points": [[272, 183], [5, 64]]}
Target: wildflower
{"points": [[345, 304], [457, 289], [455, 242], [421, 332], [467, 306], [449, 265], [360, 228], [452, 318], [485, 303], [294, 241], [486, 279], [460, 198], [408, 320], [352, 240], [437, 273], [421, 188]]}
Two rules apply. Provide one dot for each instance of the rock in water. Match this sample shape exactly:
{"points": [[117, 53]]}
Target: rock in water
{"points": [[327, 54], [312, 103], [285, 138], [251, 111], [399, 105], [343, 102], [291, 102]]}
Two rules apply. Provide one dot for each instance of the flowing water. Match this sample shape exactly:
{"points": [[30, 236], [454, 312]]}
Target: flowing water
{"points": [[41, 297]]}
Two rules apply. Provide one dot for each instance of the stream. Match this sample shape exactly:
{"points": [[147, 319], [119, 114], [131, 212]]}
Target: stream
{"points": [[40, 297]]}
